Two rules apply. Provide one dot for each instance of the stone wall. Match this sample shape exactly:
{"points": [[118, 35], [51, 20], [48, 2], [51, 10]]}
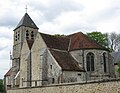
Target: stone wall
{"points": [[37, 50], [112, 86], [80, 56]]}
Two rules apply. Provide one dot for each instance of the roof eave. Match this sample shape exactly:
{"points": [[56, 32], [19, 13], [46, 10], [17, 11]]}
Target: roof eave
{"points": [[25, 26], [73, 70], [88, 48]]}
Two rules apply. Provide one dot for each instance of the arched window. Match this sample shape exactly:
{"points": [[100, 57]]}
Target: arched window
{"points": [[104, 62], [90, 61]]}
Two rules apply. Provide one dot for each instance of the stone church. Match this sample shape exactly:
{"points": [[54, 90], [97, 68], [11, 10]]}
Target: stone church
{"points": [[40, 59]]}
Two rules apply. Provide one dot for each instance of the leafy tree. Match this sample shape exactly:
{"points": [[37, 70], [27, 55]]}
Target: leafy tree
{"points": [[99, 38], [1, 86]]}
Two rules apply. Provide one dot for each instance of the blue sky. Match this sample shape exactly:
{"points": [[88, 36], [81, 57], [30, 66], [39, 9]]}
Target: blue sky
{"points": [[56, 17]]}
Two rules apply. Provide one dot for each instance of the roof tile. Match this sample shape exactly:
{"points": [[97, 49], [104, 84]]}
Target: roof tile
{"points": [[65, 60], [56, 42], [26, 21], [82, 41]]}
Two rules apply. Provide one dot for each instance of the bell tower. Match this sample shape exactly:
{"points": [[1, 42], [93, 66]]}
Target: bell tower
{"points": [[26, 29]]}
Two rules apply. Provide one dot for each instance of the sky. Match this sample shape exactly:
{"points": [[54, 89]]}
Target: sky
{"points": [[56, 17]]}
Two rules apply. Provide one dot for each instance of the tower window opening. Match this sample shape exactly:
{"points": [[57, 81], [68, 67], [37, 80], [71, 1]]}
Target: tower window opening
{"points": [[27, 37], [27, 34], [32, 35], [32, 32], [27, 31], [50, 66]]}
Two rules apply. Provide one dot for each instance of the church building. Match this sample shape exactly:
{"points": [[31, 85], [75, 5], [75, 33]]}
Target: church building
{"points": [[40, 59]]}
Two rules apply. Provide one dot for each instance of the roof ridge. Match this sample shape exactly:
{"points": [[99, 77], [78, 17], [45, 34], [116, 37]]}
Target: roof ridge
{"points": [[80, 40], [75, 33], [58, 50]]}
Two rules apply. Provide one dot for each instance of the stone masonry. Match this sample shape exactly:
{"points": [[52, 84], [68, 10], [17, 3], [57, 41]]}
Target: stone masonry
{"points": [[91, 87]]}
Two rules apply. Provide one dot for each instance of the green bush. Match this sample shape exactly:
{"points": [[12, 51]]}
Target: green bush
{"points": [[1, 86]]}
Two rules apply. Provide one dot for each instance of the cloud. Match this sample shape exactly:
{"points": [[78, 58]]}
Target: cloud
{"points": [[5, 66], [54, 8], [5, 47], [67, 22], [4, 62]]}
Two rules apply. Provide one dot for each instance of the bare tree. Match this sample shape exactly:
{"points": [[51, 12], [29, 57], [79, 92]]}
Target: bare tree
{"points": [[114, 41]]}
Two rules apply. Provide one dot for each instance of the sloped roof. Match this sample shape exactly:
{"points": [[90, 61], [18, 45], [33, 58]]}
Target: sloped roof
{"points": [[71, 42], [30, 43], [82, 41], [56, 42], [26, 21], [116, 56], [8, 73], [65, 60]]}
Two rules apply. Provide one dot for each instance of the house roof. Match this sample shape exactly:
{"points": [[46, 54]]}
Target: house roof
{"points": [[71, 42], [8, 73], [56, 42], [26, 21], [65, 60], [30, 43], [82, 41]]}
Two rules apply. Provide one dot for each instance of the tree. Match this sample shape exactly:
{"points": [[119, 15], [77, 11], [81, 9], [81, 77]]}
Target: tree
{"points": [[99, 38], [118, 70], [1, 86], [114, 41]]}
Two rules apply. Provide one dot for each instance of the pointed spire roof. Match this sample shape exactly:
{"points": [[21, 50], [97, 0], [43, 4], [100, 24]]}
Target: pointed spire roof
{"points": [[26, 21]]}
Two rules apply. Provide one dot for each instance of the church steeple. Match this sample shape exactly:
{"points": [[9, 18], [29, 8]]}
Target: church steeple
{"points": [[27, 22], [25, 30]]}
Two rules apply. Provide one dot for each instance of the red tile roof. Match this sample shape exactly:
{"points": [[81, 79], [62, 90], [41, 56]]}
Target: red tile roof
{"points": [[8, 73], [76, 41], [65, 60], [82, 41], [56, 42]]}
